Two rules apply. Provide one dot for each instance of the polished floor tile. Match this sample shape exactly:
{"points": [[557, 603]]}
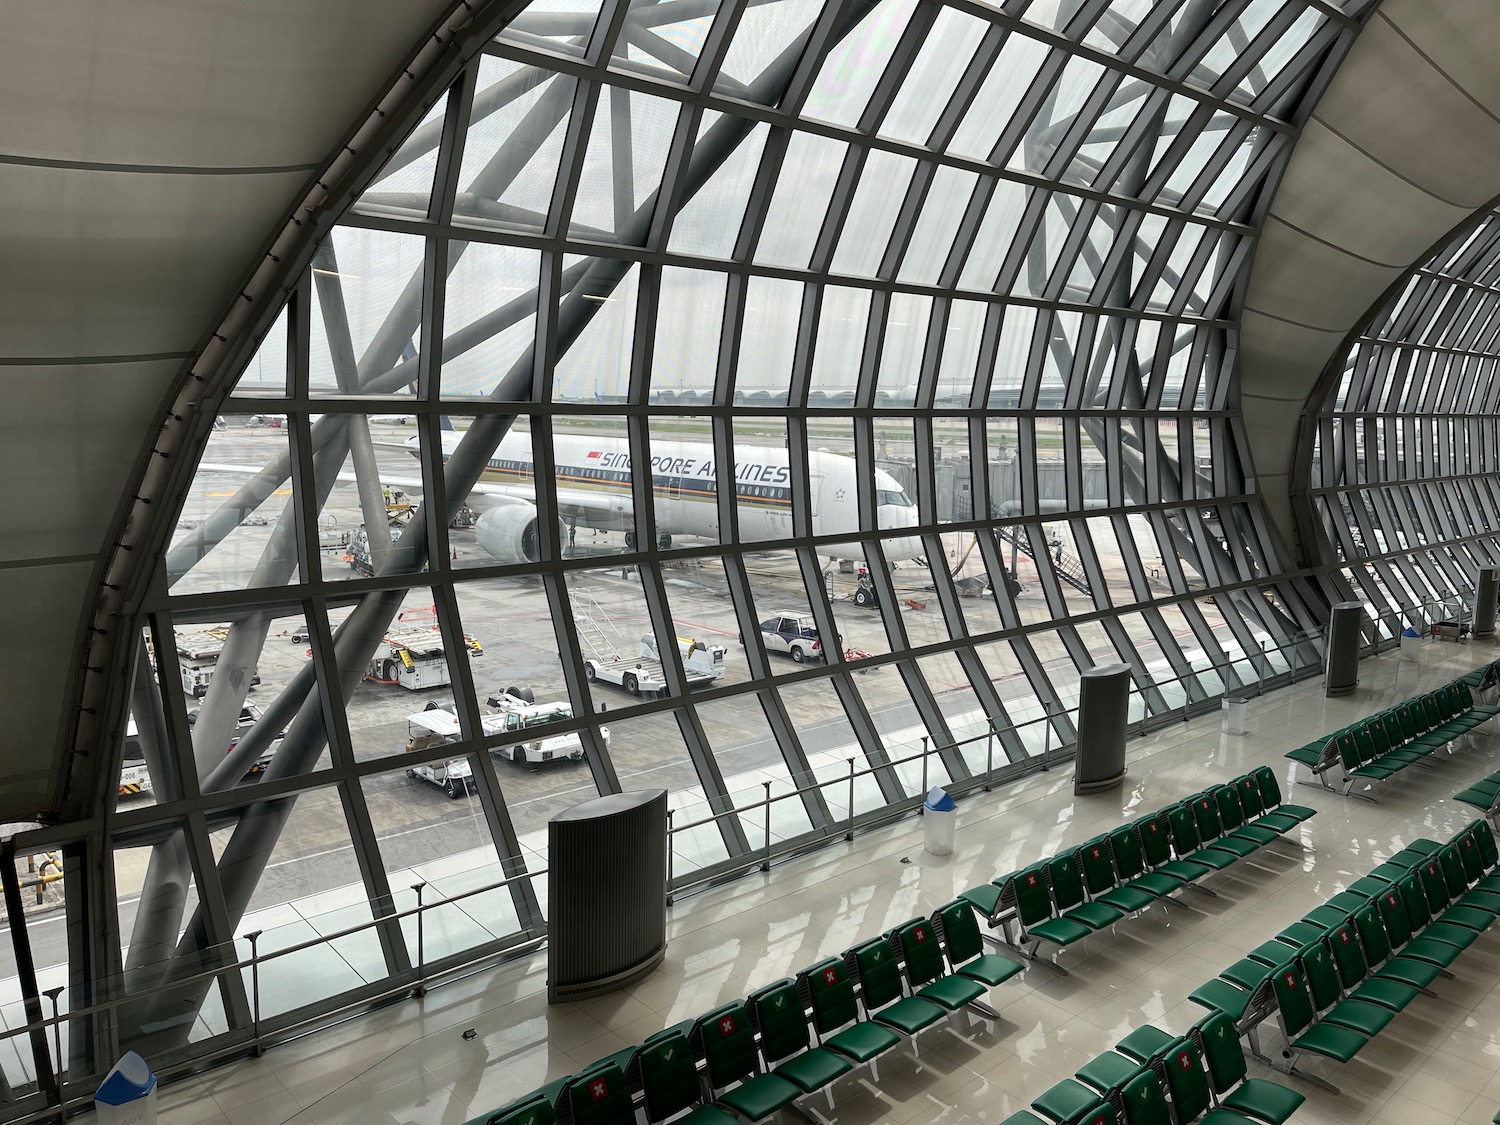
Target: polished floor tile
{"points": [[1438, 1062]]}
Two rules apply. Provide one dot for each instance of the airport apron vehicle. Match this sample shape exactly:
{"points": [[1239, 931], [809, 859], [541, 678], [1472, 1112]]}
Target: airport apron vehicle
{"points": [[435, 727], [795, 634], [414, 658], [197, 658], [519, 714], [249, 716], [134, 776], [643, 675]]}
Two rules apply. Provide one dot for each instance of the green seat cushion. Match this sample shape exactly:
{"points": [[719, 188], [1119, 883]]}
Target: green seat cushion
{"points": [[1367, 1019], [812, 1070], [1215, 857], [1248, 973], [1334, 1042], [1237, 845], [1059, 931], [910, 1015], [1374, 772], [1263, 1099], [1449, 934], [1478, 798], [1437, 952], [1221, 996], [1108, 1071], [1301, 933], [1129, 898], [1023, 1117], [1095, 915], [1388, 993], [1469, 917], [1067, 1101], [1257, 832], [952, 992], [1481, 900], [1145, 1043], [1272, 953], [1157, 883], [1301, 812], [1277, 822], [1406, 970], [985, 898], [991, 969], [707, 1115], [759, 1097], [863, 1041], [1185, 869]]}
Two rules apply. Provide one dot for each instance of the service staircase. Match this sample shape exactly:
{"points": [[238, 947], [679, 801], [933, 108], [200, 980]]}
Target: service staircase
{"points": [[1066, 569], [599, 636]]}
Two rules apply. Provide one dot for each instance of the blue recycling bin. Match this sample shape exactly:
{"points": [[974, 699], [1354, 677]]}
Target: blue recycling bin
{"points": [[127, 1096], [939, 821]]}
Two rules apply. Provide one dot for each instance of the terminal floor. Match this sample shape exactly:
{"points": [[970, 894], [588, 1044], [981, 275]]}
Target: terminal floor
{"points": [[1439, 1061]]}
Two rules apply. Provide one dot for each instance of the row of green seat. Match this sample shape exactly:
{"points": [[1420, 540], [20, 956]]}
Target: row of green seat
{"points": [[1343, 972], [1483, 795], [791, 1039], [1064, 899], [1153, 1078], [1484, 677], [1380, 746]]}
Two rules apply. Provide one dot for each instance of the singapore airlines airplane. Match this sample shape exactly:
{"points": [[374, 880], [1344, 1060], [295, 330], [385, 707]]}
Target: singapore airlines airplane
{"points": [[594, 479]]}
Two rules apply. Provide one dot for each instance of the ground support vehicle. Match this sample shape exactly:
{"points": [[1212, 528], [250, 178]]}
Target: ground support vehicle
{"points": [[795, 634], [414, 658], [358, 554], [517, 714], [430, 728], [643, 674], [134, 777], [249, 716], [197, 657]]}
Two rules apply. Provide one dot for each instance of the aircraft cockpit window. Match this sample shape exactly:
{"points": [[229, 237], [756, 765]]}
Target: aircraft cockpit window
{"points": [[885, 496]]}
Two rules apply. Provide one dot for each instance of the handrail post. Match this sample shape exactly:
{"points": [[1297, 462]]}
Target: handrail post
{"points": [[670, 857], [849, 831], [989, 757], [1046, 736], [765, 864], [421, 989], [255, 1047], [924, 767], [59, 1068]]}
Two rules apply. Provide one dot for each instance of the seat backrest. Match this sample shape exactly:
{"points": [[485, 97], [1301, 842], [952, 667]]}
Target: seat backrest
{"points": [[1469, 855], [1364, 742], [1126, 848], [1463, 698], [725, 1041], [777, 1013], [1451, 864], [960, 930], [1186, 1081], [532, 1110], [1156, 843], [1434, 886], [1033, 904], [1414, 899], [1230, 812], [1393, 914], [1220, 1044], [1405, 723], [1372, 936], [1067, 884], [1348, 752], [916, 942], [1348, 957], [1143, 1100], [1206, 817], [1094, 861], [1484, 837], [828, 990], [1436, 709], [1292, 1000], [667, 1074], [873, 965], [1184, 829], [1380, 735], [1322, 978], [1250, 799], [599, 1097], [1270, 791]]}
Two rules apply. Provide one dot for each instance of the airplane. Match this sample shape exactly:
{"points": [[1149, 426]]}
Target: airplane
{"points": [[594, 490]]}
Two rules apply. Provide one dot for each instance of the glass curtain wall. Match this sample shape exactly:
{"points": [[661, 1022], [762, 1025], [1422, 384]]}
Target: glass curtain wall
{"points": [[1405, 477], [724, 398]]}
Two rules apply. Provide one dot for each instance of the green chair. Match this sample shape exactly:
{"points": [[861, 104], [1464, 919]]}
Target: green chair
{"points": [[1419, 913], [964, 946], [598, 1096], [1144, 1044], [1434, 887], [1188, 1086], [1211, 832], [786, 1046], [1069, 1103], [1267, 1101], [1233, 989], [1354, 972], [1235, 819], [1036, 918], [877, 973], [1187, 843], [828, 992], [1328, 999], [1155, 835], [1130, 862], [1299, 1021], [1270, 796], [1066, 882], [1397, 925], [666, 1073], [917, 944], [1256, 812], [1103, 883], [1144, 1101], [534, 1109], [1107, 1072], [1375, 944], [725, 1041]]}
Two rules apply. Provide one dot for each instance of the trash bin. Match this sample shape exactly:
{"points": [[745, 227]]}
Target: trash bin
{"points": [[939, 819], [1411, 644], [127, 1096], [1234, 710]]}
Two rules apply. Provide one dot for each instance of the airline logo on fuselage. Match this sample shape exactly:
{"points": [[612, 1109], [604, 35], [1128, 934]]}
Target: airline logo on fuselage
{"points": [[674, 466]]}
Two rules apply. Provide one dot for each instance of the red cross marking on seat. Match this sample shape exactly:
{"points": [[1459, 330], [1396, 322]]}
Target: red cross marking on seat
{"points": [[1184, 1060], [1094, 852], [726, 1025], [598, 1088], [919, 934], [1031, 880], [830, 976]]}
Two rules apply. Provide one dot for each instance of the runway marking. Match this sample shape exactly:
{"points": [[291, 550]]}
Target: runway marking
{"points": [[278, 492]]}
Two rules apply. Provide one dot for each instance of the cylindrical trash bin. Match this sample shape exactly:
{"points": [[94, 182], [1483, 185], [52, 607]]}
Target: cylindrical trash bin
{"points": [[1411, 644], [127, 1096], [939, 820], [1235, 710]]}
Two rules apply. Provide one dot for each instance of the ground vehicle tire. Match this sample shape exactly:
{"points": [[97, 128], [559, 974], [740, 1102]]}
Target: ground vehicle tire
{"points": [[630, 540], [588, 671], [454, 788], [1015, 587], [522, 692], [663, 541], [863, 598], [388, 671], [798, 655], [631, 684], [412, 774]]}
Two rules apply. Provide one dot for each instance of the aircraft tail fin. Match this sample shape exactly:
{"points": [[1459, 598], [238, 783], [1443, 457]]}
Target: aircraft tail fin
{"points": [[445, 422]]}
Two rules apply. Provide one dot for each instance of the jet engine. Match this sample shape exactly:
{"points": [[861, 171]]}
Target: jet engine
{"points": [[509, 532]]}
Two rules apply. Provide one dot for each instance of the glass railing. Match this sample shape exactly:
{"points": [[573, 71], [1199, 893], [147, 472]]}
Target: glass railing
{"points": [[280, 980]]}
